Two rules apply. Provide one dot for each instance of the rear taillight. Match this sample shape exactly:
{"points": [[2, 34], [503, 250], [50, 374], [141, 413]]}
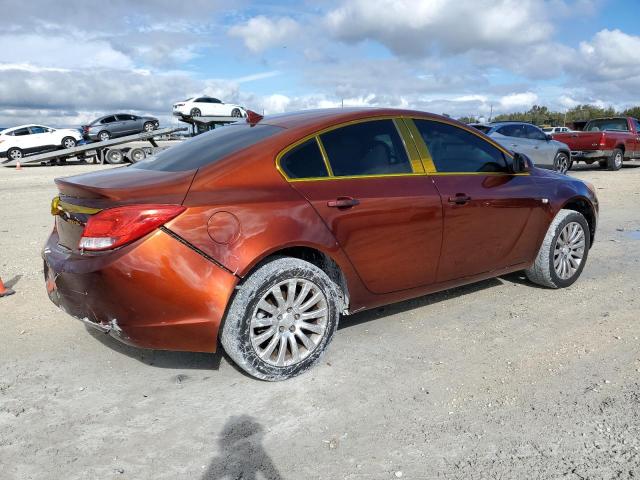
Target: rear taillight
{"points": [[114, 227]]}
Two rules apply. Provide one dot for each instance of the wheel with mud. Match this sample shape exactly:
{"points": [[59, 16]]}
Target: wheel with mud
{"points": [[281, 319], [563, 253]]}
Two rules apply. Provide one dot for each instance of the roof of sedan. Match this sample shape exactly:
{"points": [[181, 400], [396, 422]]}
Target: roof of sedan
{"points": [[321, 118]]}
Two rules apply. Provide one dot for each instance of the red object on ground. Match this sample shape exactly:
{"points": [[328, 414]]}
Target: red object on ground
{"points": [[5, 291]]}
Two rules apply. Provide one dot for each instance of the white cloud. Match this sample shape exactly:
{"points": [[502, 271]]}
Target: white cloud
{"points": [[524, 100], [414, 27], [261, 33]]}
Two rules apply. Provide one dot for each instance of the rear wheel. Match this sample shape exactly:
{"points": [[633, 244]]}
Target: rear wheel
{"points": [[68, 142], [563, 253], [562, 163], [195, 112], [103, 136], [281, 320], [615, 160], [15, 153], [114, 156], [136, 155]]}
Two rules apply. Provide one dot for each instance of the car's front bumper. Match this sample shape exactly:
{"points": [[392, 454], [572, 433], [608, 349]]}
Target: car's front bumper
{"points": [[155, 293]]}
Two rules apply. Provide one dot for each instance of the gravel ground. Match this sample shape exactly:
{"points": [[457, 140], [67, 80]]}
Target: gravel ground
{"points": [[498, 379]]}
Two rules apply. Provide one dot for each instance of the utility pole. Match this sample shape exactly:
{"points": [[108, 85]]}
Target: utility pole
{"points": [[342, 103], [491, 113]]}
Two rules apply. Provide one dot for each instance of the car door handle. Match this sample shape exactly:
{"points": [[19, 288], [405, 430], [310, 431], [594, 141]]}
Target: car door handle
{"points": [[514, 144], [343, 202], [459, 198]]}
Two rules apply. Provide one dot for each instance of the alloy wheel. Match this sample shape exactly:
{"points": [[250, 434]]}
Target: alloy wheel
{"points": [[569, 250], [289, 322], [563, 163], [69, 143], [15, 154], [618, 160]]}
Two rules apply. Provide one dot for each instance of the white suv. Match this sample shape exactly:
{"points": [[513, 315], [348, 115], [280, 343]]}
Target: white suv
{"points": [[207, 107], [19, 141]]}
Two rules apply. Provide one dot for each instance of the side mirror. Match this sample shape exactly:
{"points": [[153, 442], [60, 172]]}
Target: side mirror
{"points": [[520, 163], [548, 136]]}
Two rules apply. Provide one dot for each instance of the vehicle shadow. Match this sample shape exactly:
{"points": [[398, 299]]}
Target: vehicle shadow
{"points": [[242, 455], [431, 299], [161, 358]]}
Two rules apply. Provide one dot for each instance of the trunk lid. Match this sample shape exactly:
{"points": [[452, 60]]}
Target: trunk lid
{"points": [[84, 195], [581, 141]]}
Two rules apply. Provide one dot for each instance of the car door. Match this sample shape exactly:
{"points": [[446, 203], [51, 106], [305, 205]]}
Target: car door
{"points": [[127, 124], [203, 105], [40, 138], [636, 125], [490, 214], [543, 152], [110, 124], [384, 212], [218, 108], [24, 140]]}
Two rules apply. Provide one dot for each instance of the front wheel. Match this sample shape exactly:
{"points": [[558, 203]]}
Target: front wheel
{"points": [[563, 253], [103, 136], [149, 127], [195, 112], [236, 113], [281, 320], [562, 163]]}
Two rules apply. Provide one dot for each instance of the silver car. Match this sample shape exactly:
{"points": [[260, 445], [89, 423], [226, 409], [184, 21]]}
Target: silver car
{"points": [[118, 125], [532, 141]]}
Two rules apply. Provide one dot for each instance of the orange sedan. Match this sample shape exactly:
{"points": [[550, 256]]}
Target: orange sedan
{"points": [[261, 234]]}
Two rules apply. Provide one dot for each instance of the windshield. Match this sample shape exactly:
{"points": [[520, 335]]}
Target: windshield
{"points": [[547, 129], [619, 124], [208, 148]]}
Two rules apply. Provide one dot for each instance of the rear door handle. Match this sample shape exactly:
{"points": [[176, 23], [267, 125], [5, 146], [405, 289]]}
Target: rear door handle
{"points": [[343, 202], [459, 198]]}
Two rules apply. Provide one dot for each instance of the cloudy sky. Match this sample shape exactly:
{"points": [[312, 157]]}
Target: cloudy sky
{"points": [[66, 62]]}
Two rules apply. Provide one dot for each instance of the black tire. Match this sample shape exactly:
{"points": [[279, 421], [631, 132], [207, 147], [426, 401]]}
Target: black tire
{"points": [[136, 155], [15, 153], [195, 112], [68, 142], [543, 271], [614, 162], [562, 163], [603, 163], [237, 329], [149, 127], [114, 156], [103, 136], [236, 113]]}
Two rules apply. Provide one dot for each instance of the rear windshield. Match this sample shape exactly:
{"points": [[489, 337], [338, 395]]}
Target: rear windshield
{"points": [[482, 128], [208, 148], [619, 124]]}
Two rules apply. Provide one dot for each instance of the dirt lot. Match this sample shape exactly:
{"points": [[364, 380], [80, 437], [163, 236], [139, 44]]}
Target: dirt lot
{"points": [[495, 380]]}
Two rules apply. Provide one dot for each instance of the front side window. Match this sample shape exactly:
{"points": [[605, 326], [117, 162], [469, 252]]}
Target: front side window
{"points": [[125, 117], [38, 129], [534, 133], [456, 150], [514, 130], [304, 161], [367, 148]]}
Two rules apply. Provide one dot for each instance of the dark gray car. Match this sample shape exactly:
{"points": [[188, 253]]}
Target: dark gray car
{"points": [[118, 125], [525, 138]]}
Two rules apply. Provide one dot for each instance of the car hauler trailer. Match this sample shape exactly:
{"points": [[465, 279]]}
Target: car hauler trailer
{"points": [[100, 152]]}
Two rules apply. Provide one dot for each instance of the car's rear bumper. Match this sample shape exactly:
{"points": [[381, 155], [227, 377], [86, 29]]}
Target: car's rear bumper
{"points": [[590, 154], [155, 293]]}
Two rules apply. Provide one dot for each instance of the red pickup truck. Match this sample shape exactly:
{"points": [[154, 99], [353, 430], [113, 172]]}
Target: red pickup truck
{"points": [[607, 141]]}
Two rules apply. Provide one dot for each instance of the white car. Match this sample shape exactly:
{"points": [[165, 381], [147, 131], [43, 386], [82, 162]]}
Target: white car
{"points": [[19, 141], [207, 107], [552, 130]]}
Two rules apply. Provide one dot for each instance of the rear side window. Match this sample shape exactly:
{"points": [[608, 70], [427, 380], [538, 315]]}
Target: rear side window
{"points": [[367, 148], [304, 161], [20, 132], [208, 148], [110, 119], [456, 150], [516, 131]]}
